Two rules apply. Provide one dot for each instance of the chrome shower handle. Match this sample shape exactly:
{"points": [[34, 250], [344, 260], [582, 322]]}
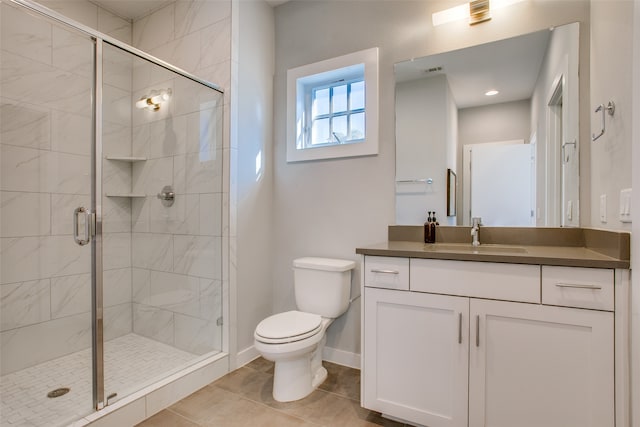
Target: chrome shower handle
{"points": [[167, 196], [87, 226]]}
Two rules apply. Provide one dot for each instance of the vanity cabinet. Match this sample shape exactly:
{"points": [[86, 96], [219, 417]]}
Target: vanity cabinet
{"points": [[535, 365], [416, 356], [474, 344]]}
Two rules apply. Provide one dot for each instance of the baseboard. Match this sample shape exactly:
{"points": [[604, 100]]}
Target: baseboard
{"points": [[341, 357], [247, 355]]}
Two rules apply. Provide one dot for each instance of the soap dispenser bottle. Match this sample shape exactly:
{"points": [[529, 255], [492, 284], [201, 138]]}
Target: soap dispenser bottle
{"points": [[427, 229], [432, 228]]}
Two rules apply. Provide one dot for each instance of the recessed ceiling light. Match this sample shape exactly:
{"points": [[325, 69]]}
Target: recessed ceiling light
{"points": [[492, 92]]}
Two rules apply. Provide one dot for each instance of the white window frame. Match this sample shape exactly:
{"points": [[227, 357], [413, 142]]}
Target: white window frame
{"points": [[300, 80]]}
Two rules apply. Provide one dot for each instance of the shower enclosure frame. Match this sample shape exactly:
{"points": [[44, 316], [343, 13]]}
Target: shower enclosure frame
{"points": [[94, 213]]}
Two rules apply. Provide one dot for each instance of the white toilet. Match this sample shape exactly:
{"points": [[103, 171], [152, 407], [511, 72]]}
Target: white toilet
{"points": [[294, 340]]}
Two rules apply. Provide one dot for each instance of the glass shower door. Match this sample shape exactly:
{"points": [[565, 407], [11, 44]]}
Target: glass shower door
{"points": [[162, 221], [110, 220], [46, 143]]}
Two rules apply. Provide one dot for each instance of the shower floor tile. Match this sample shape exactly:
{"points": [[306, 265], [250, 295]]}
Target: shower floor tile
{"points": [[131, 362]]}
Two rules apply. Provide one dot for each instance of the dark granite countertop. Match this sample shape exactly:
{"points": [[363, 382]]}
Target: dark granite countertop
{"points": [[562, 247]]}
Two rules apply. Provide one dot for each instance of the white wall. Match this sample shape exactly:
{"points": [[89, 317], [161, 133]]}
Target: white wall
{"points": [[635, 243], [452, 156], [492, 123], [331, 207], [611, 79], [422, 138], [505, 121], [560, 64], [253, 148], [453, 123]]}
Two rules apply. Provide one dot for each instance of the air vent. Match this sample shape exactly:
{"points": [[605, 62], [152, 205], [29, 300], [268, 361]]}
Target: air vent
{"points": [[433, 70]]}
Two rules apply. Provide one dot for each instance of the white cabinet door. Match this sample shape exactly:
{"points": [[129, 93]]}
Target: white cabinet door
{"points": [[416, 353], [534, 365]]}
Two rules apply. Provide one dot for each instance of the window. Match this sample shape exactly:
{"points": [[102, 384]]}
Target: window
{"points": [[337, 114], [332, 108]]}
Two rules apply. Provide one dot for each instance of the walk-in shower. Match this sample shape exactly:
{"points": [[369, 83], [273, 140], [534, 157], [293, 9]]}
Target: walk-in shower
{"points": [[105, 288]]}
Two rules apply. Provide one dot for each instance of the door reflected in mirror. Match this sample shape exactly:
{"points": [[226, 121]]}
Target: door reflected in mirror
{"points": [[502, 117]]}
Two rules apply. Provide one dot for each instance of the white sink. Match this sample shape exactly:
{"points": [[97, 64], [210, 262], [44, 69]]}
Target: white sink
{"points": [[468, 248]]}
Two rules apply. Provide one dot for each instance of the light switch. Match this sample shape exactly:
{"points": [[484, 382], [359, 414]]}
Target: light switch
{"points": [[625, 205], [603, 208]]}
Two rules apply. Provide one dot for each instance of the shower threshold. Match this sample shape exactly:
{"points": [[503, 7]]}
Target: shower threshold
{"points": [[131, 362]]}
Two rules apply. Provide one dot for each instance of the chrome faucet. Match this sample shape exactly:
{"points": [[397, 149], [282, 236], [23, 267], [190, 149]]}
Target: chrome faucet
{"points": [[475, 230]]}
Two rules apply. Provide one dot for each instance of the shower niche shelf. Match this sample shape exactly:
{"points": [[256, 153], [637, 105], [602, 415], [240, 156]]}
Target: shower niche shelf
{"points": [[127, 159], [132, 195]]}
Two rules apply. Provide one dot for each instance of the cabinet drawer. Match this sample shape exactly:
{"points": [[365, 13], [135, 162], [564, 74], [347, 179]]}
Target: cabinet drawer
{"points": [[511, 282], [386, 272], [578, 287]]}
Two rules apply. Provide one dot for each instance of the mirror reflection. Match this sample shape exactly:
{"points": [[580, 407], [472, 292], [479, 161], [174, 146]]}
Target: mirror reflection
{"points": [[503, 117]]}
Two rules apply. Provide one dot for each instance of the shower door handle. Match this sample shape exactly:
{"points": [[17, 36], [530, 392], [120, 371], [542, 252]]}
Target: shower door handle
{"points": [[88, 217]]}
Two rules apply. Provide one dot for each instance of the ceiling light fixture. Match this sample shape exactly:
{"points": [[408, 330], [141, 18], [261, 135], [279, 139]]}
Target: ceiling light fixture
{"points": [[479, 11], [154, 99], [492, 92], [475, 11]]}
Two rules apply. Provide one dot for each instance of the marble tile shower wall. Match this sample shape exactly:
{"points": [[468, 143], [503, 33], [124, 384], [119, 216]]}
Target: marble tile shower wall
{"points": [[45, 112], [182, 245], [194, 35], [44, 276], [176, 252]]}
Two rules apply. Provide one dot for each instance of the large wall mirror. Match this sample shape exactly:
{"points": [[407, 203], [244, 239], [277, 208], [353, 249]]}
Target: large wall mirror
{"points": [[514, 152]]}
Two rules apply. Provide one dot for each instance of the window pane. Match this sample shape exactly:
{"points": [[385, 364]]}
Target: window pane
{"points": [[320, 102], [340, 128], [339, 99], [357, 95], [320, 132], [357, 126]]}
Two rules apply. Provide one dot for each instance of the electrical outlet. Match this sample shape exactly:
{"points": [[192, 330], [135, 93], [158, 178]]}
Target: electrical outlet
{"points": [[603, 208], [625, 205], [569, 210]]}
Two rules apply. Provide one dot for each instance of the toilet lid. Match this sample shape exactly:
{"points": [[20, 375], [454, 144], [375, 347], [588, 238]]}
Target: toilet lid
{"points": [[288, 327]]}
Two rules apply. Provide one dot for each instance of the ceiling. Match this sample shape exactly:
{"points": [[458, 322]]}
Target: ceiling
{"points": [[510, 66], [132, 9], [135, 9]]}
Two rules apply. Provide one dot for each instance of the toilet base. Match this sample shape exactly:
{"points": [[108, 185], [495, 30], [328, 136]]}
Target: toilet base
{"points": [[296, 378], [292, 380], [319, 377]]}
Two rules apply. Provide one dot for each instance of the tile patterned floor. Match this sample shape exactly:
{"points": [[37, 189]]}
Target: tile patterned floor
{"points": [[243, 398], [131, 362]]}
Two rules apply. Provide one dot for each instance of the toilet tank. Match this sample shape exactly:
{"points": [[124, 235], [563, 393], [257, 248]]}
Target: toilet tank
{"points": [[322, 285]]}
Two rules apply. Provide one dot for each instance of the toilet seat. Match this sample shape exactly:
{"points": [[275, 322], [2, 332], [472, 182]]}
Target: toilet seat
{"points": [[288, 327]]}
